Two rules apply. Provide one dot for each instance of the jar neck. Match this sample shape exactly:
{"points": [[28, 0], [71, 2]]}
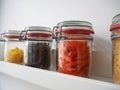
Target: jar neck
{"points": [[11, 39], [76, 37], [115, 34]]}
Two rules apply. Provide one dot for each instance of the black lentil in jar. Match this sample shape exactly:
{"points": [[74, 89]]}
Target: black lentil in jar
{"points": [[38, 55]]}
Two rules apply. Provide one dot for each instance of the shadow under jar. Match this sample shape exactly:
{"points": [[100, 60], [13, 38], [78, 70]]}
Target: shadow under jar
{"points": [[38, 42], [115, 30], [74, 40]]}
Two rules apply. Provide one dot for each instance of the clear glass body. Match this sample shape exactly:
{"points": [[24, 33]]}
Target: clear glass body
{"points": [[116, 56], [74, 57], [75, 48], [14, 51], [37, 54]]}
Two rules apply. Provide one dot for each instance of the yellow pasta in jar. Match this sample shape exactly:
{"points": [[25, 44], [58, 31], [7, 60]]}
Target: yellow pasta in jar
{"points": [[116, 69], [15, 55]]}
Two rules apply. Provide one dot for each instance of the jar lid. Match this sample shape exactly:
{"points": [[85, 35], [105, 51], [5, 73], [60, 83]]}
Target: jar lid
{"points": [[75, 27], [12, 34], [115, 22], [38, 31]]}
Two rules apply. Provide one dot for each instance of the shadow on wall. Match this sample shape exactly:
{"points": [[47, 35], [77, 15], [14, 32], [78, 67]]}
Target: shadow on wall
{"points": [[102, 57]]}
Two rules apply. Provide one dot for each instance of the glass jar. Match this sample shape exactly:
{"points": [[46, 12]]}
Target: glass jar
{"points": [[74, 40], [14, 48], [115, 30], [1, 47], [38, 42]]}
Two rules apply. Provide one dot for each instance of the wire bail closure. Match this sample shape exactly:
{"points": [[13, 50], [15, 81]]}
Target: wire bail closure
{"points": [[26, 32], [60, 36]]}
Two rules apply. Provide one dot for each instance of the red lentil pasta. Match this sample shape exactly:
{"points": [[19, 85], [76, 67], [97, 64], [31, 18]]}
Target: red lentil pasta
{"points": [[74, 57]]}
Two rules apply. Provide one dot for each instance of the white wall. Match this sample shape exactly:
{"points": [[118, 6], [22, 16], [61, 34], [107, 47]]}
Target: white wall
{"points": [[17, 14]]}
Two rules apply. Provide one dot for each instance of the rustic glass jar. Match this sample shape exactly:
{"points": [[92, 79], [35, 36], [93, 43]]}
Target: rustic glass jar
{"points": [[38, 42], [14, 48], [115, 30], [74, 40]]}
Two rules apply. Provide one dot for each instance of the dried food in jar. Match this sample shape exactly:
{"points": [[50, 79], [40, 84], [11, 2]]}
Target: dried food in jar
{"points": [[74, 56], [15, 55], [116, 71], [38, 55]]}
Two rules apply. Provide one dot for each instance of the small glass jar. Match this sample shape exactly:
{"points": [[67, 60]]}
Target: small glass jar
{"points": [[115, 30], [38, 42], [2, 44], [14, 48], [74, 40]]}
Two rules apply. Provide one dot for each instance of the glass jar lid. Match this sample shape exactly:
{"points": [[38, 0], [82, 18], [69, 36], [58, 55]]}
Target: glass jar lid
{"points": [[37, 32], [115, 22], [11, 34], [75, 27]]}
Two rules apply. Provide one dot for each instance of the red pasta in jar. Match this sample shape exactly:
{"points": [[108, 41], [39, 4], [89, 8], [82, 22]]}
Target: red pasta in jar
{"points": [[74, 60], [74, 47]]}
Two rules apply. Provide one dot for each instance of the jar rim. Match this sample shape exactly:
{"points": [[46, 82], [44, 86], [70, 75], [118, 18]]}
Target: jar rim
{"points": [[13, 32], [38, 28], [38, 31]]}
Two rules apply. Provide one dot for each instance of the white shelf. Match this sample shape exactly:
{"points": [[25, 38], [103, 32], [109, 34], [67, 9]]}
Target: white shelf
{"points": [[54, 80]]}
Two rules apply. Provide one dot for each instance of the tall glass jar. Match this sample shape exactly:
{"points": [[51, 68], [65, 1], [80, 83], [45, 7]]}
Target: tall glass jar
{"points": [[74, 40], [38, 46], [115, 30], [14, 48]]}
